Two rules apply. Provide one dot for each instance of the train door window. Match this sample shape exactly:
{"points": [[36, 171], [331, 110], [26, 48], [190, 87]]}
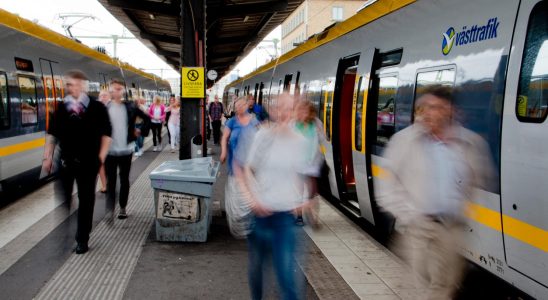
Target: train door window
{"points": [[328, 106], [386, 121], [4, 102], [532, 104], [297, 87], [260, 100], [256, 93], [29, 101], [444, 77], [359, 116], [321, 103], [287, 82]]}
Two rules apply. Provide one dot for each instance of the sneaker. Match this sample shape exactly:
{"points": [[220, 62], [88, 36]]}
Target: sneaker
{"points": [[122, 214], [155, 149], [172, 150], [299, 221], [81, 248], [138, 153]]}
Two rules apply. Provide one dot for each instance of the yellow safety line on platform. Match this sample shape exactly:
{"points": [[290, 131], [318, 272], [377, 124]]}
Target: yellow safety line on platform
{"points": [[24, 146]]}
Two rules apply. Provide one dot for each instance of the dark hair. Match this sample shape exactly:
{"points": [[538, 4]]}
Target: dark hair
{"points": [[76, 74], [117, 81], [440, 91]]}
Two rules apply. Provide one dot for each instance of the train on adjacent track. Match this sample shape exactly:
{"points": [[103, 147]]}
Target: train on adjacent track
{"points": [[364, 75], [32, 62]]}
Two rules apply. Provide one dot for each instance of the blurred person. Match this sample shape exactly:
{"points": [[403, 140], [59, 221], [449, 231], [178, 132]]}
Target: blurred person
{"points": [[81, 128], [104, 97], [157, 114], [216, 111], [256, 109], [434, 166], [208, 121], [139, 122], [309, 126], [123, 114], [168, 115], [174, 122], [274, 187], [238, 134]]}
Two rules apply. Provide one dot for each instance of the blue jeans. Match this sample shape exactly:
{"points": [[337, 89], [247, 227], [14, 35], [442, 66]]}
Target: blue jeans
{"points": [[140, 139], [273, 234]]}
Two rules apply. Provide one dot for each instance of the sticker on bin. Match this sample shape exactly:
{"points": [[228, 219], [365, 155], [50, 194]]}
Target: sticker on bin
{"points": [[177, 206]]}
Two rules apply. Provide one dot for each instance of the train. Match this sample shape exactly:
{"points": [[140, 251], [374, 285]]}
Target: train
{"points": [[364, 74], [32, 62]]}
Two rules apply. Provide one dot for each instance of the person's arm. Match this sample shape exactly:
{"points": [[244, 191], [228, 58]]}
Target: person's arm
{"points": [[106, 132], [105, 145], [224, 144], [47, 162]]}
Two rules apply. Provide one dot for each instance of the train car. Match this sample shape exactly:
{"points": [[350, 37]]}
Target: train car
{"points": [[32, 62], [364, 75]]}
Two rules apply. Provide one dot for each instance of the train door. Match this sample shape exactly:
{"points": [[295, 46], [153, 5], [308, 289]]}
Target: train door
{"points": [[524, 188], [53, 92], [342, 131]]}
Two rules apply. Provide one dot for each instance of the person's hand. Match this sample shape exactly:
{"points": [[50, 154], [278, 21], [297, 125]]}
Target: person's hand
{"points": [[223, 157], [47, 164], [259, 210], [137, 132]]}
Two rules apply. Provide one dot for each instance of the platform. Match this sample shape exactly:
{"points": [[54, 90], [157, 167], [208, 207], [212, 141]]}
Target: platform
{"points": [[338, 261]]}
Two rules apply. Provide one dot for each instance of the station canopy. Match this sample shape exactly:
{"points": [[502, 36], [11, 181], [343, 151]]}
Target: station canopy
{"points": [[233, 27]]}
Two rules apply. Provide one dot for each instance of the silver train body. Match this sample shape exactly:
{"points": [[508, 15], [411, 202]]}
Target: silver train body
{"points": [[32, 62], [365, 74]]}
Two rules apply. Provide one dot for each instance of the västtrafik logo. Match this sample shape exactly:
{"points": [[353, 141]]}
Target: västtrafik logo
{"points": [[469, 35]]}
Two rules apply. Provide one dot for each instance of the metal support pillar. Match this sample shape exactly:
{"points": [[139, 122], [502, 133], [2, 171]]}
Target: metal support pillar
{"points": [[192, 37]]}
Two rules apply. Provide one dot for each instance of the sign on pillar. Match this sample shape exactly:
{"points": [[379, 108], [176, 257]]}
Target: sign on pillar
{"points": [[193, 85]]}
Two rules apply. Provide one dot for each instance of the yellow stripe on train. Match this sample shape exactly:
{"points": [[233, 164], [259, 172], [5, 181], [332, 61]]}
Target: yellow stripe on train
{"points": [[25, 146]]}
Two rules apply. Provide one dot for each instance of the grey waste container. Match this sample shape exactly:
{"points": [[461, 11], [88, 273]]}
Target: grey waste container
{"points": [[182, 197]]}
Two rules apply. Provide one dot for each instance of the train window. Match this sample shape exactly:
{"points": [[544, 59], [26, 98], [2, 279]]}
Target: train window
{"points": [[532, 102], [321, 105], [358, 117], [328, 106], [445, 77], [4, 102], [297, 87], [287, 82], [386, 121], [29, 100]]}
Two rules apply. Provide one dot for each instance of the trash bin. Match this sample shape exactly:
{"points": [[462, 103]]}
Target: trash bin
{"points": [[182, 199], [196, 146]]}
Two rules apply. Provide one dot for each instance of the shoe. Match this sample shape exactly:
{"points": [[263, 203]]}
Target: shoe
{"points": [[137, 154], [299, 221], [155, 149], [81, 248], [141, 152], [122, 214], [172, 150]]}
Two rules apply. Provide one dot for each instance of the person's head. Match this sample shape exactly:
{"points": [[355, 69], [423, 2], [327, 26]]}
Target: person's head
{"points": [[250, 101], [216, 98], [142, 101], [434, 109], [284, 108], [157, 100], [76, 82], [240, 106], [116, 87], [104, 96], [172, 100], [176, 102], [305, 111]]}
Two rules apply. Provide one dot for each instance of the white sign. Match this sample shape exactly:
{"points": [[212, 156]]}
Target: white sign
{"points": [[211, 74], [177, 206]]}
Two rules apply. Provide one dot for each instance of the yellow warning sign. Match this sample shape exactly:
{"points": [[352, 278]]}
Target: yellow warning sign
{"points": [[193, 82], [522, 106]]}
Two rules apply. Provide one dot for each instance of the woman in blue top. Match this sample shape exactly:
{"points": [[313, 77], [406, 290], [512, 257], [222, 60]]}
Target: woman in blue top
{"points": [[238, 135]]}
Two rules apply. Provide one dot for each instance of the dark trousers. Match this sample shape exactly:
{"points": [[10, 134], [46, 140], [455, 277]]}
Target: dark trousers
{"points": [[111, 169], [86, 180], [168, 135], [156, 133], [216, 124]]}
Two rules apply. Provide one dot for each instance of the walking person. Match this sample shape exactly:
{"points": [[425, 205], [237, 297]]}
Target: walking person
{"points": [[274, 181], [139, 142], [216, 111], [104, 97], [434, 165], [168, 115], [174, 123], [238, 135], [122, 115], [157, 113], [81, 128]]}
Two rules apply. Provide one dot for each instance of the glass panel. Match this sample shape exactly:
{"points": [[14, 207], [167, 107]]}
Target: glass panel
{"points": [[359, 117], [4, 102], [29, 102], [438, 77], [532, 102], [329, 99], [386, 121]]}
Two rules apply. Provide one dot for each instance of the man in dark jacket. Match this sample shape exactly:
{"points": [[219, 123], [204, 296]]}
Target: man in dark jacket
{"points": [[122, 117], [81, 128]]}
